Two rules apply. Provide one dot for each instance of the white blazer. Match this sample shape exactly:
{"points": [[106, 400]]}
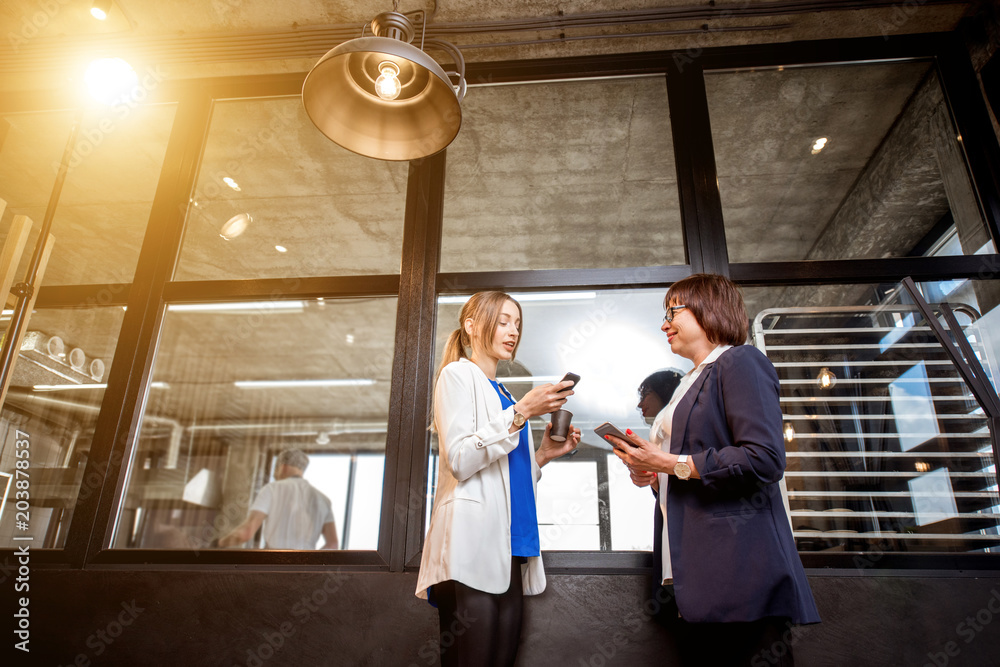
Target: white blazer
{"points": [[469, 536]]}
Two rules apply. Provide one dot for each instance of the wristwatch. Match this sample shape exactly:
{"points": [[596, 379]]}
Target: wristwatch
{"points": [[519, 419], [681, 468]]}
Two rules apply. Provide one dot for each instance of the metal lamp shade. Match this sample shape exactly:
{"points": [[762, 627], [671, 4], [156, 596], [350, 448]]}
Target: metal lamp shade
{"points": [[339, 97]]}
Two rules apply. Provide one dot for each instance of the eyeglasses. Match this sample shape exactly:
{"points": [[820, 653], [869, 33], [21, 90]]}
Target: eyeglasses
{"points": [[671, 313]]}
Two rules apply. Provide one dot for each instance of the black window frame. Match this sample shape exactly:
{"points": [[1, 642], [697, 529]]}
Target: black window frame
{"points": [[420, 282]]}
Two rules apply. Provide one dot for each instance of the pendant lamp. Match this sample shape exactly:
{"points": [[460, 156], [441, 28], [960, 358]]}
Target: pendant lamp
{"points": [[383, 97]]}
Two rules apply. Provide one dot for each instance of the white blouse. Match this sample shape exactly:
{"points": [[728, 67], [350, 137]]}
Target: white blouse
{"points": [[659, 434]]}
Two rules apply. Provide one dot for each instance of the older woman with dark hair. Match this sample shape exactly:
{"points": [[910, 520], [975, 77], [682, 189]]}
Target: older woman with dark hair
{"points": [[728, 547]]}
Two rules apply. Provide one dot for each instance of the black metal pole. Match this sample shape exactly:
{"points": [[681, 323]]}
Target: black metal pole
{"points": [[969, 368], [24, 290]]}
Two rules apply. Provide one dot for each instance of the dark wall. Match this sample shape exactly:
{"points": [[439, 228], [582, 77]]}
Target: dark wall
{"points": [[228, 617]]}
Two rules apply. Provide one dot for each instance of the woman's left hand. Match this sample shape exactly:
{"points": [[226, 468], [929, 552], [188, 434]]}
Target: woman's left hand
{"points": [[550, 449], [639, 454]]}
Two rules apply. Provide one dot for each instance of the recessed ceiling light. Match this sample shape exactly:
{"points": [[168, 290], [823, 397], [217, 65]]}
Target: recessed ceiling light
{"points": [[537, 296], [235, 226], [281, 248], [282, 384], [239, 307]]}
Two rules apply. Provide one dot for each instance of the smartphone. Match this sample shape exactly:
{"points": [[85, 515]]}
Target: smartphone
{"points": [[570, 376], [607, 428]]}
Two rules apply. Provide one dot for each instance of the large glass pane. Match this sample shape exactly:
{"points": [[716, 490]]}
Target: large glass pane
{"points": [[47, 423], [30, 144], [887, 448], [234, 385], [612, 340], [114, 168], [858, 161], [568, 175], [299, 204]]}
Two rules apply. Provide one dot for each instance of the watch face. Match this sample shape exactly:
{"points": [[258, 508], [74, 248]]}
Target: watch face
{"points": [[682, 470], [519, 419]]}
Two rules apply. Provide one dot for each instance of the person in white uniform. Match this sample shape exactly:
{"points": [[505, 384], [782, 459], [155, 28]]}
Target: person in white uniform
{"points": [[293, 512]]}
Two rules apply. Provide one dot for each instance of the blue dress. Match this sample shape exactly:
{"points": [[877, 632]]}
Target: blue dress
{"points": [[523, 513]]}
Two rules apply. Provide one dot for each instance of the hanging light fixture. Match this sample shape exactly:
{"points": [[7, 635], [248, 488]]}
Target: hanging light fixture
{"points": [[385, 98]]}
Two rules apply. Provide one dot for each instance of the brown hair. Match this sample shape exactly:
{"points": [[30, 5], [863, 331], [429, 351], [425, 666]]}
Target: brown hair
{"points": [[485, 309], [717, 304]]}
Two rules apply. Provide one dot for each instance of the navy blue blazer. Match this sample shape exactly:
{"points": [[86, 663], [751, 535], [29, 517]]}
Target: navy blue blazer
{"points": [[731, 547]]}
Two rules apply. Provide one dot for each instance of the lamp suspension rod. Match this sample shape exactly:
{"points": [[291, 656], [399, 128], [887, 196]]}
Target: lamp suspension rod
{"points": [[24, 290]]}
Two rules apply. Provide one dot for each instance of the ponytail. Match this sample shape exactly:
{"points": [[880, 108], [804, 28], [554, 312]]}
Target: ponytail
{"points": [[454, 349]]}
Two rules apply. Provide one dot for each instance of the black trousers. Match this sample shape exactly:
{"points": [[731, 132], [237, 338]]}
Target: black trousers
{"points": [[480, 629], [763, 643]]}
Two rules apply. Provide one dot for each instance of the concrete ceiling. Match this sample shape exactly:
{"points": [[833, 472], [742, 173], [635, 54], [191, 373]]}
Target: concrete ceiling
{"points": [[48, 43], [567, 175]]}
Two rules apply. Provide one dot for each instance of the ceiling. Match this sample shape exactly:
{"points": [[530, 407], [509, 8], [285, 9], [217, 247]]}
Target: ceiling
{"points": [[568, 175], [48, 43]]}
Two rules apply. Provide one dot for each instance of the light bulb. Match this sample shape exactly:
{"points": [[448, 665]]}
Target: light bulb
{"points": [[387, 85], [826, 379], [789, 432]]}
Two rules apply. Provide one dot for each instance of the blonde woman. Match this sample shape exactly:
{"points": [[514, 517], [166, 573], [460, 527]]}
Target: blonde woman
{"points": [[481, 553]]}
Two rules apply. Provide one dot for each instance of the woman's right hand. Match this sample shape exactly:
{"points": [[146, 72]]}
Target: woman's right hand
{"points": [[643, 478], [544, 399]]}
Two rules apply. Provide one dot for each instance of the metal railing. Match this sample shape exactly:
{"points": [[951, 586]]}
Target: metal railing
{"points": [[896, 452]]}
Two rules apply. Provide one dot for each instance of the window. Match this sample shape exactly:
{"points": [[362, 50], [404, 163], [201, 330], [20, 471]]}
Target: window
{"points": [[275, 198], [114, 169], [532, 169], [235, 384], [57, 385], [837, 162], [612, 339], [887, 448]]}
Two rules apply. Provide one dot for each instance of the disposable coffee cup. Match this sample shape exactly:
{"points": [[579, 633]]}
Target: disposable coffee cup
{"points": [[560, 425]]}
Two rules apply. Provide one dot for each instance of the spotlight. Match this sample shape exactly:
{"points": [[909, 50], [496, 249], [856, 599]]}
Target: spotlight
{"points": [[100, 9], [111, 80]]}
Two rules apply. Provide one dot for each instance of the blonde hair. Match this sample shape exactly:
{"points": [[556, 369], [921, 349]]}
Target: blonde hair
{"points": [[484, 309]]}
